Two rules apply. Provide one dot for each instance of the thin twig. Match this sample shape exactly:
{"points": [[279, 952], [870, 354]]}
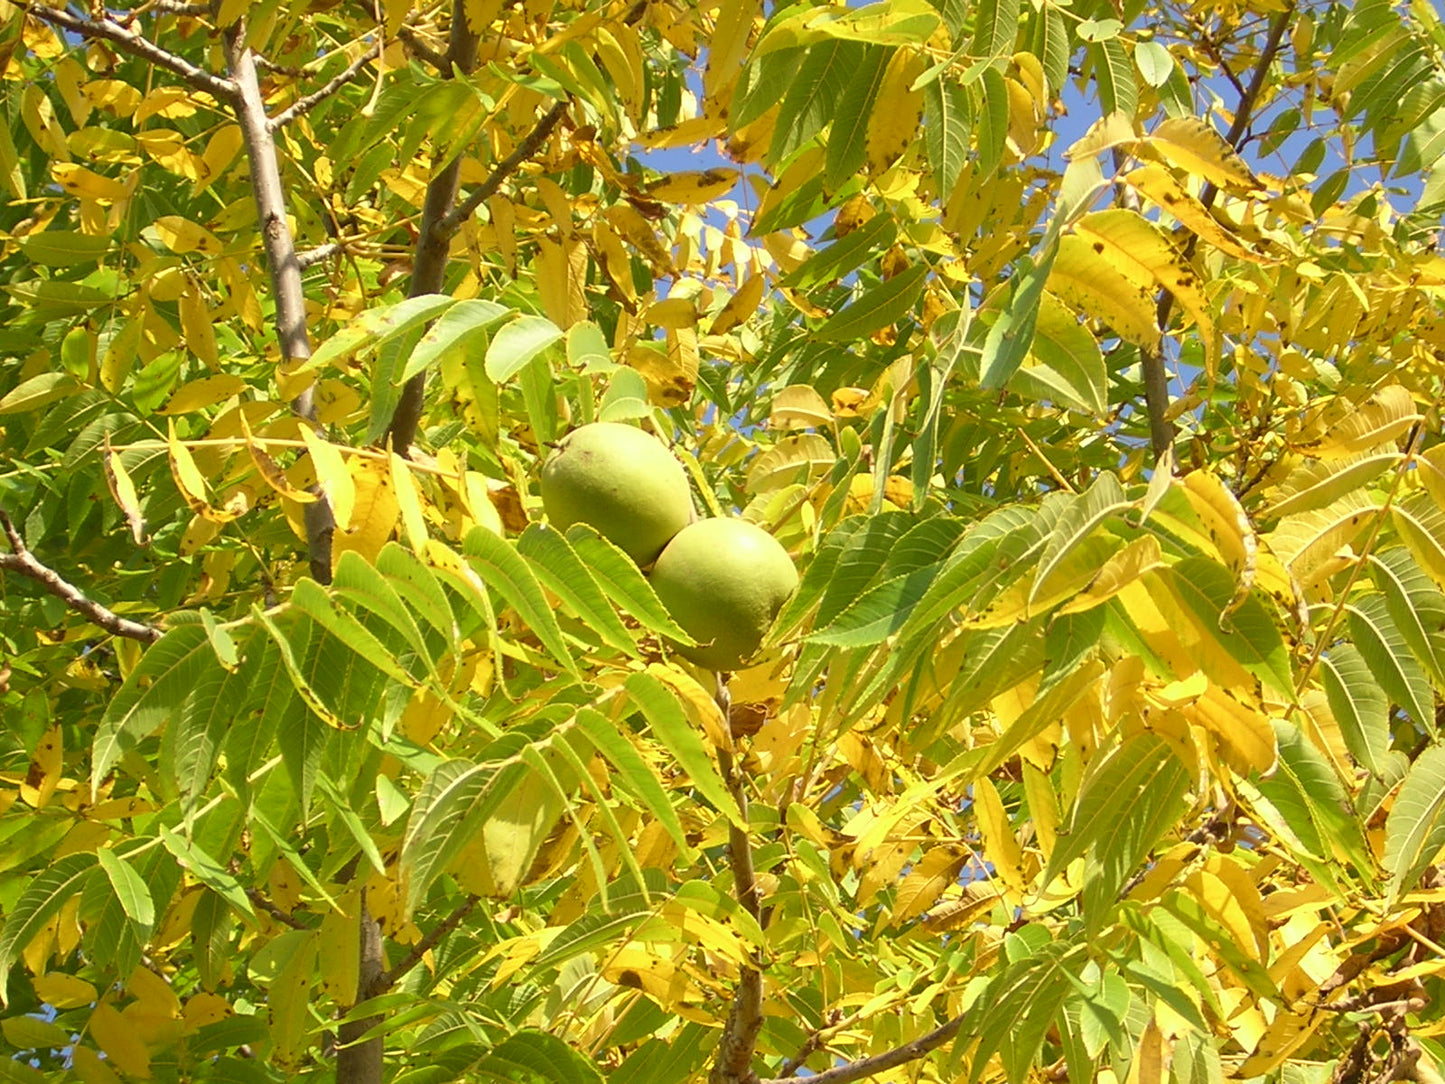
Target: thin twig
{"points": [[317, 254], [302, 106], [270, 907], [138, 46], [878, 1063], [529, 146], [422, 50], [23, 562], [388, 979]]}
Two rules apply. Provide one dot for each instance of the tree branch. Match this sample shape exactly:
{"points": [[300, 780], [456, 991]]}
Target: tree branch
{"points": [[878, 1063], [421, 49], [283, 264], [137, 46], [524, 150], [434, 244], [302, 106], [361, 1062], [734, 1064], [317, 254], [21, 561], [1156, 380], [388, 979]]}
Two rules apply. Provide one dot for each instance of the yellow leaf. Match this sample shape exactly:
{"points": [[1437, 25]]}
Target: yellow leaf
{"points": [[658, 977], [896, 112], [113, 95], [1000, 845], [700, 186], [375, 513], [1085, 278], [561, 278], [336, 956], [123, 490], [1194, 146], [119, 1041], [197, 325], [332, 475], [1286, 1034], [479, 503], [741, 307], [732, 27], [221, 151], [673, 312], [181, 236], [1346, 429], [270, 470], [170, 102], [1143, 253], [76, 180], [697, 703], [90, 1068], [1228, 527], [64, 991], [1157, 184], [206, 1008], [613, 257], [187, 476], [1308, 542], [687, 133], [1243, 732], [44, 774], [621, 55], [799, 406], [925, 883], [408, 500], [1118, 572], [205, 392]]}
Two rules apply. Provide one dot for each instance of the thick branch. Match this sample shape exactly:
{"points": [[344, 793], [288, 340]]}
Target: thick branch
{"points": [[21, 561], [434, 244], [281, 260], [138, 46], [879, 1063], [734, 1064], [361, 1062], [302, 106]]}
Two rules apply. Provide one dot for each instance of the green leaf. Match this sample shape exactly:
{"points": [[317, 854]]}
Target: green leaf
{"points": [[845, 255], [1117, 92], [1155, 63], [947, 126], [362, 584], [634, 776], [562, 572], [207, 870], [1416, 606], [812, 95], [130, 890], [1415, 828], [459, 322], [517, 343], [1388, 656], [501, 567], [995, 27], [1248, 633], [42, 898], [36, 392], [1095, 506], [535, 1057], [1304, 768], [64, 248], [1065, 364], [170, 669], [623, 583], [672, 729], [848, 139], [1358, 704], [1129, 800], [877, 307]]}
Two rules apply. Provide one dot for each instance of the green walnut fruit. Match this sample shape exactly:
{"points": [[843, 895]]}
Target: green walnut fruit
{"points": [[723, 581], [623, 482]]}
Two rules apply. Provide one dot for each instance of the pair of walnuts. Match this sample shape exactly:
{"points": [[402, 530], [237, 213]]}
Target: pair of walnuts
{"points": [[723, 580]]}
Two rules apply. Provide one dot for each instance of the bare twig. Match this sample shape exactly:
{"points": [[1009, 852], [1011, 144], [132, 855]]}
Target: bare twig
{"points": [[136, 45], [421, 50], [878, 1063], [269, 906], [302, 106], [317, 254], [524, 150], [283, 264], [21, 561], [388, 979]]}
